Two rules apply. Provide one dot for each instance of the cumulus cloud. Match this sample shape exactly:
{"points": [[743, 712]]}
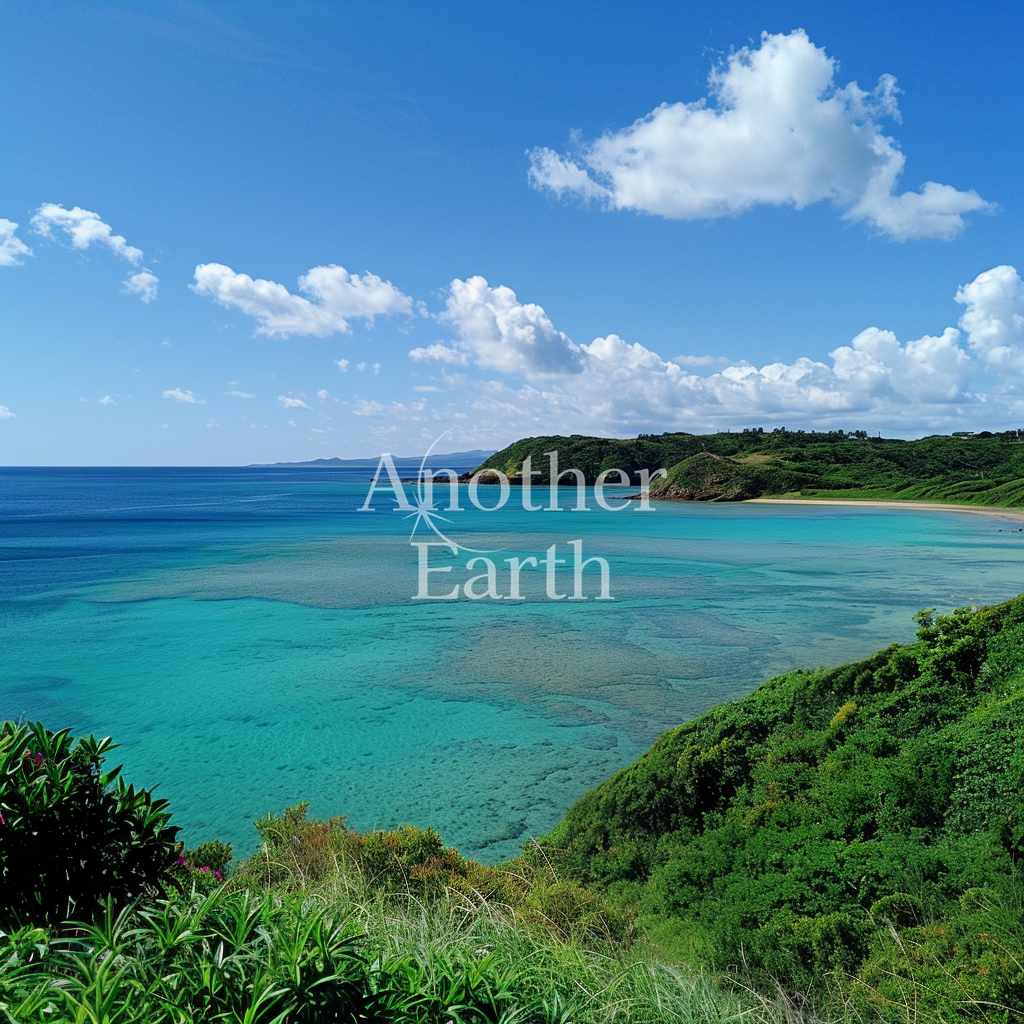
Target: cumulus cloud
{"points": [[498, 332], [84, 228], [874, 380], [6, 414], [12, 248], [144, 284], [439, 353], [627, 388], [777, 130], [342, 365], [177, 395], [994, 318], [291, 403], [107, 400], [239, 394], [335, 297]]}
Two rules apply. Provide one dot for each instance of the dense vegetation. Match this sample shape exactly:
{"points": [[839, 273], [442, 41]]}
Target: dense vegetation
{"points": [[984, 468], [322, 924], [848, 840], [864, 823]]}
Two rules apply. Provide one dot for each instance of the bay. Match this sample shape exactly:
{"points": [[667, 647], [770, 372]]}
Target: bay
{"points": [[251, 640]]}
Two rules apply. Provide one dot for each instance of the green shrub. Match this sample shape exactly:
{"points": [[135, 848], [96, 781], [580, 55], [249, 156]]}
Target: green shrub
{"points": [[303, 855], [73, 834]]}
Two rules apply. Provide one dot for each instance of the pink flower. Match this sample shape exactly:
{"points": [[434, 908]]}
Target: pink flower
{"points": [[218, 876], [3, 821], [181, 860], [39, 758], [204, 868]]}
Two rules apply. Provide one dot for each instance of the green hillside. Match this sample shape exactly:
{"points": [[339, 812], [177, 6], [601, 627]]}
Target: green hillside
{"points": [[984, 469], [863, 822]]}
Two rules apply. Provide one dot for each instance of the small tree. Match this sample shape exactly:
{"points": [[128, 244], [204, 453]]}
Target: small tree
{"points": [[73, 834]]}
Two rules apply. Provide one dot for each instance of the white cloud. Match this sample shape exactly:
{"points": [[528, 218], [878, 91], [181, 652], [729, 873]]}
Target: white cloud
{"points": [[84, 228], [368, 408], [144, 284], [701, 361], [875, 380], [342, 365], [291, 403], [393, 410], [239, 394], [107, 400], [440, 353], [628, 388], [12, 248], [497, 332], [777, 131], [177, 395], [6, 414], [336, 296], [323, 394], [994, 318]]}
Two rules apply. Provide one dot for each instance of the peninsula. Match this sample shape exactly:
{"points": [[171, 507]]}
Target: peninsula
{"points": [[964, 468]]}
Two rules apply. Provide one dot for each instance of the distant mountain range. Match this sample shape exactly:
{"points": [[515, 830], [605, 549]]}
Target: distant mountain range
{"points": [[452, 460]]}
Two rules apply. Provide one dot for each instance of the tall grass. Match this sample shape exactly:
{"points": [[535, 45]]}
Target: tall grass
{"points": [[325, 925], [344, 956]]}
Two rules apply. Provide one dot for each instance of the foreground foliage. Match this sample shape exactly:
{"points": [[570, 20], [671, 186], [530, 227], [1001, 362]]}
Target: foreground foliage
{"points": [[72, 833], [302, 934], [986, 469], [864, 823]]}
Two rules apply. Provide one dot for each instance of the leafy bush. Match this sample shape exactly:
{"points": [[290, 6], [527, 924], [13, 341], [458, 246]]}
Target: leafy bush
{"points": [[73, 834], [303, 855]]}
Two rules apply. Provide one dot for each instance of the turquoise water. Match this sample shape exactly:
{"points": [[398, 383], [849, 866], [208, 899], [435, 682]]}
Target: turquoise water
{"points": [[251, 641]]}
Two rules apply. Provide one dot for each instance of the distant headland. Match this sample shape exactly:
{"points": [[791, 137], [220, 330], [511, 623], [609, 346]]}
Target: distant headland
{"points": [[451, 460], [964, 468]]}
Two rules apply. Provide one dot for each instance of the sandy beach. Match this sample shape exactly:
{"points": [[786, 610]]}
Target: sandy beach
{"points": [[995, 511]]}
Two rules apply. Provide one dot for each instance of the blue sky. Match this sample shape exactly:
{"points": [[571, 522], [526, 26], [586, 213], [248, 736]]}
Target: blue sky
{"points": [[250, 233]]}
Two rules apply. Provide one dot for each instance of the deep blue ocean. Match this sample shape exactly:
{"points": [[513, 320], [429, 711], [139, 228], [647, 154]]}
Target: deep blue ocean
{"points": [[251, 640]]}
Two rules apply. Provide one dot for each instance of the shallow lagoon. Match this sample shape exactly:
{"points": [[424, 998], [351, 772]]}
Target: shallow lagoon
{"points": [[249, 637]]}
